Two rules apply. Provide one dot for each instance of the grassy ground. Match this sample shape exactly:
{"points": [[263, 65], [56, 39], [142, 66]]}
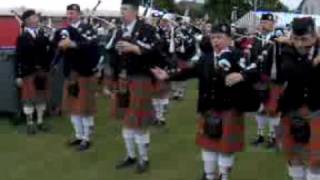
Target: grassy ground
{"points": [[174, 155]]}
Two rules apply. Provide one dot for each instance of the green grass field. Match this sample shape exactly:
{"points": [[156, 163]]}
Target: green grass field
{"points": [[174, 155]]}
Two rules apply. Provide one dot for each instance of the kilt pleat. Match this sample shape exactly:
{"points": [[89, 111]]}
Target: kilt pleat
{"points": [[29, 92], [140, 113], [232, 139], [161, 89], [271, 104], [309, 152], [85, 103]]}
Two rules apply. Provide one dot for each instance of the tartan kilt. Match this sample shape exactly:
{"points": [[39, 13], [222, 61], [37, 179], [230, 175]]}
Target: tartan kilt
{"points": [[232, 139], [140, 113], [272, 102], [109, 83], [85, 103], [161, 89], [117, 112], [29, 92], [309, 152]]}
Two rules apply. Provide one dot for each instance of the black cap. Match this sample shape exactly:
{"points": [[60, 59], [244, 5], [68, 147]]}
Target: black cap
{"points": [[302, 26], [267, 17], [222, 28], [74, 7], [134, 3], [26, 14]]}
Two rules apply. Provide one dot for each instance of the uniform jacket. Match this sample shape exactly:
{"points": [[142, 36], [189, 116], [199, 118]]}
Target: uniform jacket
{"points": [[84, 58], [213, 93], [301, 78], [33, 53]]}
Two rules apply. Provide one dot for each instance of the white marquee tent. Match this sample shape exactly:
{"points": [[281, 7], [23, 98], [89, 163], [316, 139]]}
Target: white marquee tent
{"points": [[57, 7]]}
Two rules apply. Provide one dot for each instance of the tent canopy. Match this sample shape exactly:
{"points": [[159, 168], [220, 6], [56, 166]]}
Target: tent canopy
{"points": [[57, 7]]}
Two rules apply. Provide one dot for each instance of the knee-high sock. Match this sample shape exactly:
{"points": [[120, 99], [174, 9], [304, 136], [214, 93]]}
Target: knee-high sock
{"points": [[156, 106], [28, 110], [88, 127], [165, 101], [40, 108], [261, 124], [226, 162], [175, 88], [162, 105], [273, 123], [297, 172], [142, 139], [210, 160], [128, 137], [313, 175], [181, 88], [77, 126]]}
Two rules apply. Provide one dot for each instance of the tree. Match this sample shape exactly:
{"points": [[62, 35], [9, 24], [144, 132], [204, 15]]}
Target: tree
{"points": [[164, 4], [220, 10]]}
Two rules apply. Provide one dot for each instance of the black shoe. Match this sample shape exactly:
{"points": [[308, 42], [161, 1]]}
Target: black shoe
{"points": [[162, 123], [175, 98], [142, 167], [84, 145], [258, 141], [31, 129], [204, 177], [155, 122], [42, 127], [271, 143], [128, 162], [74, 142]]}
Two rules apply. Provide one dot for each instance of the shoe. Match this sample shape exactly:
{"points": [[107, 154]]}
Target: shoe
{"points": [[175, 98], [258, 141], [42, 127], [128, 162], [271, 143], [31, 129], [142, 167], [204, 177], [84, 145], [74, 142], [162, 123]]}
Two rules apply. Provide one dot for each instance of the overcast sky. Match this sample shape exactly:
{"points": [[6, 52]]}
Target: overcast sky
{"points": [[292, 4], [106, 4], [59, 4]]}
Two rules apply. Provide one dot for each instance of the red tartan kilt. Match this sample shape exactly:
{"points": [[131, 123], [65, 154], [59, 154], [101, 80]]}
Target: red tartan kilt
{"points": [[232, 139], [295, 150], [85, 103], [161, 89], [117, 112], [182, 64], [29, 93], [140, 113], [109, 82], [271, 105]]}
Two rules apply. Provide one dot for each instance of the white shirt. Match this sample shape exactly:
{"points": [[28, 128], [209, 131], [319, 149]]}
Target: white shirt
{"points": [[76, 24], [32, 31], [128, 29], [217, 56]]}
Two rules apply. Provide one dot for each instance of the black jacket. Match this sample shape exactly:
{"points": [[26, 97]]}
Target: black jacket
{"points": [[33, 54], [213, 93], [302, 81], [144, 36], [85, 57]]}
